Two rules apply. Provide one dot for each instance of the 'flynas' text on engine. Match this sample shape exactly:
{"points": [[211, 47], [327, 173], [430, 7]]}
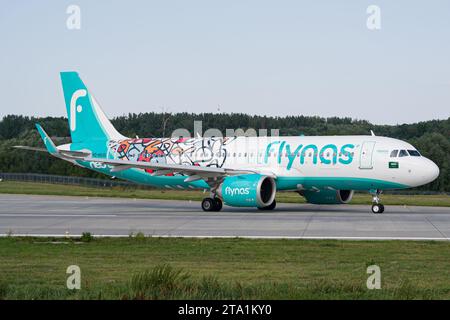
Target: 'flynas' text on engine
{"points": [[237, 191]]}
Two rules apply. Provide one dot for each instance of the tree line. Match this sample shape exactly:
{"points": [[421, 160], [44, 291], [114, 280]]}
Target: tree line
{"points": [[431, 138]]}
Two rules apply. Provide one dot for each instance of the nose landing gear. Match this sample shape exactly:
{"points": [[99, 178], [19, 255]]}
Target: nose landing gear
{"points": [[377, 207]]}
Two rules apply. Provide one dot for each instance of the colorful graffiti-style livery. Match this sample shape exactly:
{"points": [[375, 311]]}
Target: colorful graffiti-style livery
{"points": [[209, 152]]}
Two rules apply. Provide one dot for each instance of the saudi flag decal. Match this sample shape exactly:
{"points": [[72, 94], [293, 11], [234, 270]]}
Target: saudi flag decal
{"points": [[393, 165]]}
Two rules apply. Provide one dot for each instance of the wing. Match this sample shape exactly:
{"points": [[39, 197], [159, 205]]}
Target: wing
{"points": [[211, 175], [193, 172]]}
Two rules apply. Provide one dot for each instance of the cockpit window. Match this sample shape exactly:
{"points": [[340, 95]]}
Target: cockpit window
{"points": [[394, 153], [414, 153], [403, 153]]}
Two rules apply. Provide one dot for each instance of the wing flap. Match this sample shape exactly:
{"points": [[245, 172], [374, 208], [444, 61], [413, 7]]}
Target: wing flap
{"points": [[166, 168]]}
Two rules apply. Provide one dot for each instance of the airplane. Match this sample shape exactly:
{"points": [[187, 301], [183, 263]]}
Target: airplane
{"points": [[239, 171]]}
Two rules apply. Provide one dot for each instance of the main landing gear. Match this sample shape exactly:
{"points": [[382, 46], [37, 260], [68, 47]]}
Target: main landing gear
{"points": [[212, 204], [377, 207]]}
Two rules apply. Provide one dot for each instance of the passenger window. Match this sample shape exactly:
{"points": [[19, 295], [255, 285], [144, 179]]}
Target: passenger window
{"points": [[403, 153], [394, 153], [414, 153]]}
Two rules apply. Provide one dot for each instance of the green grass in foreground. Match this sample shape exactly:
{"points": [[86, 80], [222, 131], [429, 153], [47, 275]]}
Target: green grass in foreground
{"points": [[14, 187], [174, 268]]}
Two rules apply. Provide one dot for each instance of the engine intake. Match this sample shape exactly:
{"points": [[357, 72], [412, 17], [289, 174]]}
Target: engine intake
{"points": [[248, 190], [327, 196]]}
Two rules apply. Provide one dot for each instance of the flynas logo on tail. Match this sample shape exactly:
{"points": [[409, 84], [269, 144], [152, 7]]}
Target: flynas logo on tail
{"points": [[74, 108], [328, 154]]}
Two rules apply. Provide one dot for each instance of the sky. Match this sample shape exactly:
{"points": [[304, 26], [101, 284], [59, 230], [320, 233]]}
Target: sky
{"points": [[259, 57]]}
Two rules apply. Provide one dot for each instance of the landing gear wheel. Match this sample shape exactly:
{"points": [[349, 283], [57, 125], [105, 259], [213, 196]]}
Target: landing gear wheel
{"points": [[217, 204], [377, 208], [208, 204], [270, 206]]}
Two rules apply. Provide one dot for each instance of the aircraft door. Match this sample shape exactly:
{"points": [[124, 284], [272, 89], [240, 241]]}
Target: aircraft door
{"points": [[366, 155]]}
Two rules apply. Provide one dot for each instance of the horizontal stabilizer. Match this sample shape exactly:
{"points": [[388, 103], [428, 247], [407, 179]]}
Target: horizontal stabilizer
{"points": [[30, 148], [53, 150], [60, 153]]}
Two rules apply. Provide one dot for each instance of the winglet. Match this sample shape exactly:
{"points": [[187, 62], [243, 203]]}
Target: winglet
{"points": [[47, 141]]}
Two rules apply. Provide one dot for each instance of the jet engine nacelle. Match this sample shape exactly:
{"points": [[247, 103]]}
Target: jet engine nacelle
{"points": [[328, 196], [248, 190]]}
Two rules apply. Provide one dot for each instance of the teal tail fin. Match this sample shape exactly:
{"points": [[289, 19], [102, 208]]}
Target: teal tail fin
{"points": [[87, 122]]}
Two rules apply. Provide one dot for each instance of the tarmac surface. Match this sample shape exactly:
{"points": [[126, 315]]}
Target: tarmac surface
{"points": [[70, 216]]}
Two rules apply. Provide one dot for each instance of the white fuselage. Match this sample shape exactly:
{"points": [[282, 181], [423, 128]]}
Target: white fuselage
{"points": [[339, 159], [370, 158]]}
